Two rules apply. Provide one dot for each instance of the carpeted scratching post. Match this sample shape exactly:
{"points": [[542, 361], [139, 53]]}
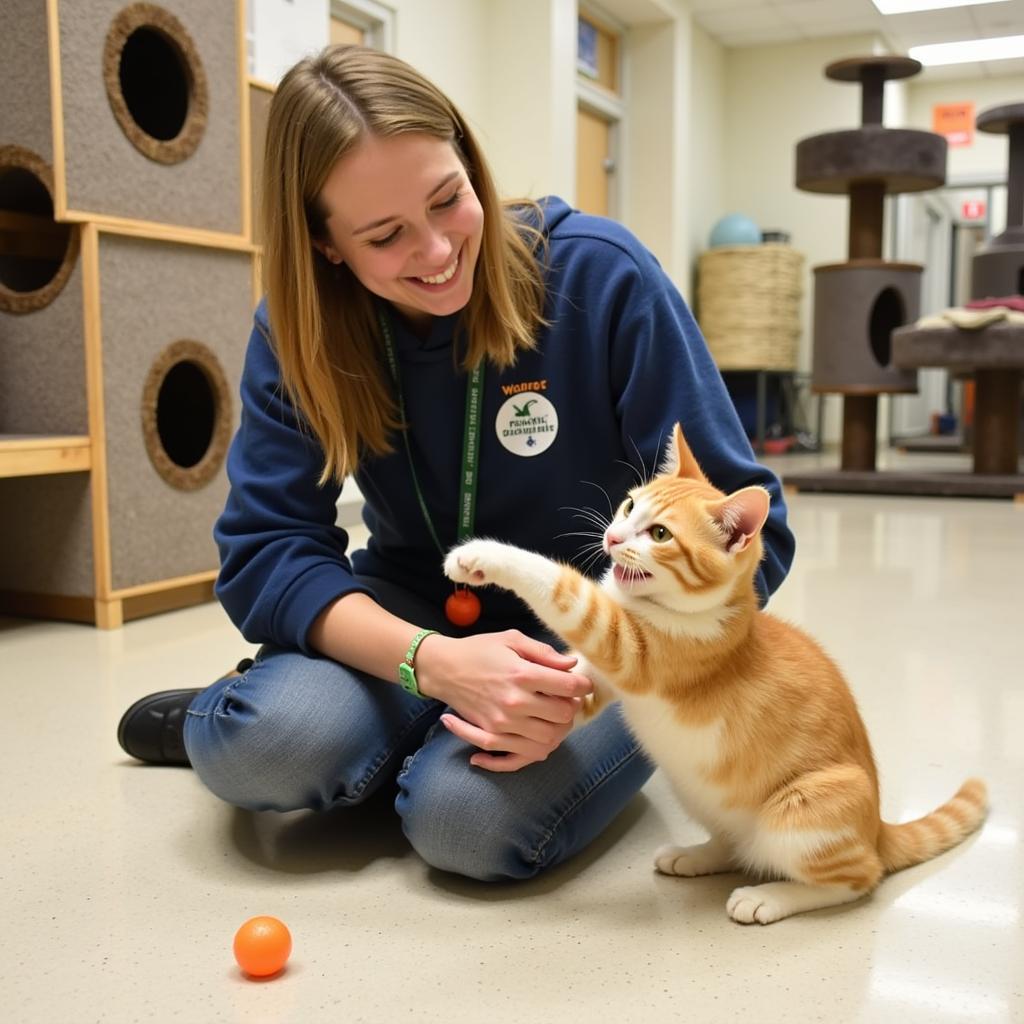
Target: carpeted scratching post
{"points": [[126, 287]]}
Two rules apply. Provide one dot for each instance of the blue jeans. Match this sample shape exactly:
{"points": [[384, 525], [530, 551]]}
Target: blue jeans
{"points": [[297, 732]]}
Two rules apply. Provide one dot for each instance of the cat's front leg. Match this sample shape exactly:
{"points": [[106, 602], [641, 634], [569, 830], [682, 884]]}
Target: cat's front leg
{"points": [[710, 858], [480, 562]]}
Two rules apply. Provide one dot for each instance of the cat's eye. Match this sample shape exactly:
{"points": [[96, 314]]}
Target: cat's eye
{"points": [[627, 506], [660, 534]]}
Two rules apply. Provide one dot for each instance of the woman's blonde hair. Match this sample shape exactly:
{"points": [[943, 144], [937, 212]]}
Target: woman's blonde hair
{"points": [[323, 324]]}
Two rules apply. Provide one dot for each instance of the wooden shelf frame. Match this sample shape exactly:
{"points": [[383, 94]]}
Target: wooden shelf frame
{"points": [[37, 455]]}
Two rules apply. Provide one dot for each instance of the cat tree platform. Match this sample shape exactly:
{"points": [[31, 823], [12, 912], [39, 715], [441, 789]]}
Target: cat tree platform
{"points": [[994, 356]]}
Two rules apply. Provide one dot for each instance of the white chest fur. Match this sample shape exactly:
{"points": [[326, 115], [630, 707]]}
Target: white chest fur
{"points": [[687, 755]]}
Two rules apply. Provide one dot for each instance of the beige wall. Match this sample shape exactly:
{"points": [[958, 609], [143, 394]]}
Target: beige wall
{"points": [[445, 39], [777, 95], [987, 154], [656, 201], [527, 88], [706, 141]]}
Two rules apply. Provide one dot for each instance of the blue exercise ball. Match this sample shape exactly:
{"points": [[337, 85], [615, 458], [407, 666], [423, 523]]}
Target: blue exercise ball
{"points": [[735, 229]]}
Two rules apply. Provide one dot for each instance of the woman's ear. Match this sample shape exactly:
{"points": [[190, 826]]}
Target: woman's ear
{"points": [[328, 252]]}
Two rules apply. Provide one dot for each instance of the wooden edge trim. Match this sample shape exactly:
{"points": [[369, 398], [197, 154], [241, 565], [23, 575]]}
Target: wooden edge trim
{"points": [[156, 602], [111, 612], [60, 184], [160, 232], [18, 460], [93, 336], [198, 579]]}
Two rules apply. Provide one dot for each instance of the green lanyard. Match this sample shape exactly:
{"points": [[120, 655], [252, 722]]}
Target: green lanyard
{"points": [[470, 441]]}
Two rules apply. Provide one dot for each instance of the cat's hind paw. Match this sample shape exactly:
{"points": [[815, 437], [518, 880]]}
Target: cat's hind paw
{"points": [[475, 562]]}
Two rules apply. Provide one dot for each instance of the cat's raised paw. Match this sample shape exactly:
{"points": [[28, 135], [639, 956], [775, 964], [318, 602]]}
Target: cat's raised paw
{"points": [[752, 905], [473, 562]]}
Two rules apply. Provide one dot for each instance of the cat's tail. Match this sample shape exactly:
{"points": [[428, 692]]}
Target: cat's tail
{"points": [[900, 846]]}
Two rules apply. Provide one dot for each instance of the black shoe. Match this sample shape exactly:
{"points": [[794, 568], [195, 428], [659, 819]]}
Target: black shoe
{"points": [[152, 728]]}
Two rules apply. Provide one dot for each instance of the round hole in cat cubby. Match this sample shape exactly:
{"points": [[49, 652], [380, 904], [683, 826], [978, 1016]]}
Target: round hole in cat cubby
{"points": [[186, 415], [887, 314], [155, 83], [37, 254]]}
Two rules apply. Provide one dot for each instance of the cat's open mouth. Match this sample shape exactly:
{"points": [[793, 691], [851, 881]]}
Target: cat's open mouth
{"points": [[627, 575]]}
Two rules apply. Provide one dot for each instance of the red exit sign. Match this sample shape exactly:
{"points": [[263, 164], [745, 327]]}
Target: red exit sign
{"points": [[972, 209]]}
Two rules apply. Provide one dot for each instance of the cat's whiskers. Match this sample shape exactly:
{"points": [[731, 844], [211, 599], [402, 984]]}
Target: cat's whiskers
{"points": [[587, 514], [647, 477], [611, 507], [592, 558], [636, 472]]}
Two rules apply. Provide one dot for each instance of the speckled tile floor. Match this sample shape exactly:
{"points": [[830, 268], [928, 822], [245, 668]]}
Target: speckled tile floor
{"points": [[121, 886]]}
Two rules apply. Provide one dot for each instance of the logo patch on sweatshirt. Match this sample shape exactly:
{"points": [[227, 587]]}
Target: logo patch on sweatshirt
{"points": [[527, 424]]}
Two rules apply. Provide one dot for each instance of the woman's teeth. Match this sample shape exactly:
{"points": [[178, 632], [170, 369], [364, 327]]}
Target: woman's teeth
{"points": [[442, 278]]}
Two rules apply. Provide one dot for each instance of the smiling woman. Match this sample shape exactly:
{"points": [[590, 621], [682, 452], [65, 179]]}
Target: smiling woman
{"points": [[408, 309], [402, 215]]}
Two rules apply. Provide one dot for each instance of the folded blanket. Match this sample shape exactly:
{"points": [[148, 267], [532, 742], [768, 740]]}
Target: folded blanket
{"points": [[972, 319]]}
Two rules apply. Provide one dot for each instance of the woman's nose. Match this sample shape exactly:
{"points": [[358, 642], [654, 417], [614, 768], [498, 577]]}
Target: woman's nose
{"points": [[436, 250]]}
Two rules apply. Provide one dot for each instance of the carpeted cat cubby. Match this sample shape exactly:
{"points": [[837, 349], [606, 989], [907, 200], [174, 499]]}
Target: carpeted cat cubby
{"points": [[157, 330], [136, 107], [40, 304]]}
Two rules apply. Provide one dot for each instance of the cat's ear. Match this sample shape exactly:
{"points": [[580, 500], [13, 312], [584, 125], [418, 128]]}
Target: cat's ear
{"points": [[679, 460], [741, 516]]}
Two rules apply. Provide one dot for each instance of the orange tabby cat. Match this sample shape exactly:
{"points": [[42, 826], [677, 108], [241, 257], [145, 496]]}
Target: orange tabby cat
{"points": [[747, 716]]}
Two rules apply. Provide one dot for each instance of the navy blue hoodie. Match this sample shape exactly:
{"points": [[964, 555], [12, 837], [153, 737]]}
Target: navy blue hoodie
{"points": [[594, 404]]}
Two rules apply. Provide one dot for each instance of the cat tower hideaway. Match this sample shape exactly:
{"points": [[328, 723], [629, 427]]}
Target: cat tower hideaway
{"points": [[128, 274], [858, 304]]}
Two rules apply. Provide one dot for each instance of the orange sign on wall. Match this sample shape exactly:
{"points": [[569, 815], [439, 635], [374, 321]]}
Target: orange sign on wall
{"points": [[955, 121]]}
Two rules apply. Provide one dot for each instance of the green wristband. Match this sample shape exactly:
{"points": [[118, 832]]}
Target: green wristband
{"points": [[407, 670]]}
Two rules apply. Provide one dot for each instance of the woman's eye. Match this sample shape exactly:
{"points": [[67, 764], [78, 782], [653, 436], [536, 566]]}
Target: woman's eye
{"points": [[448, 203], [379, 243], [660, 534]]}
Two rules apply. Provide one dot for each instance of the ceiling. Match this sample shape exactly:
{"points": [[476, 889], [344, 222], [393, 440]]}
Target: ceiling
{"points": [[737, 23]]}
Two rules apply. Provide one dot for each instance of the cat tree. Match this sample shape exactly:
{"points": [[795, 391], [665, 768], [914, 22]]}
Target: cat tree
{"points": [[126, 283], [993, 354], [857, 304]]}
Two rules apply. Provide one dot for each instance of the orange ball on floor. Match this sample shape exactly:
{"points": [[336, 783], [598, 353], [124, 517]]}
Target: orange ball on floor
{"points": [[262, 946]]}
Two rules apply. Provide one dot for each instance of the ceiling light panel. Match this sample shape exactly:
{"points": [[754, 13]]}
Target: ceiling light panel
{"points": [[1000, 48], [910, 6]]}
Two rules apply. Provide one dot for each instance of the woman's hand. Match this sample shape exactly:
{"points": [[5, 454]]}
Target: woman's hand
{"points": [[513, 693]]}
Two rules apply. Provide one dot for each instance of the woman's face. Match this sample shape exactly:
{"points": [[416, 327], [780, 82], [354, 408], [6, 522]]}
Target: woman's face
{"points": [[404, 217]]}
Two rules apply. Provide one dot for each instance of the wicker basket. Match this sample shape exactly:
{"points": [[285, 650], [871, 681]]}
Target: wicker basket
{"points": [[748, 304]]}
